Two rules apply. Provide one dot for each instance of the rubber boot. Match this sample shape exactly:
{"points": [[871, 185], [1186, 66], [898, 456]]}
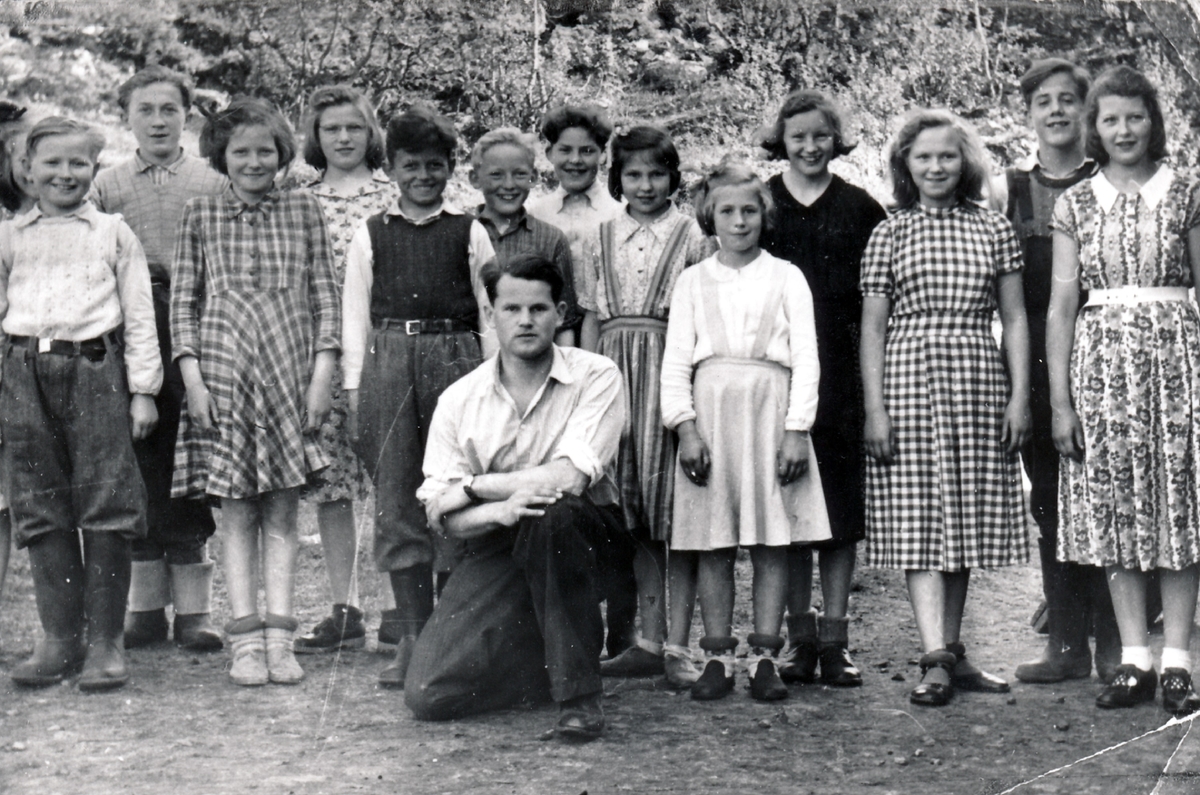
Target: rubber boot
{"points": [[620, 594], [149, 594], [716, 681], [248, 651], [765, 684], [800, 660], [107, 559], [389, 631], [833, 642], [280, 634], [1104, 626], [1066, 589], [413, 589], [191, 586], [57, 570]]}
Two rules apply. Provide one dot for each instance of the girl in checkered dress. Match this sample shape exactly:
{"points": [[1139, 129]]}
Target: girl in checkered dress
{"points": [[255, 322], [943, 422], [739, 386]]}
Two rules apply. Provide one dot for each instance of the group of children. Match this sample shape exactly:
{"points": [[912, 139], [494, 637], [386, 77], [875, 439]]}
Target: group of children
{"points": [[306, 337]]}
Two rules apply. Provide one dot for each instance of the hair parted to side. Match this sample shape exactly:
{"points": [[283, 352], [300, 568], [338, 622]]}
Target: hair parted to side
{"points": [[1123, 81], [503, 135], [60, 125], [328, 97], [643, 138], [731, 174], [804, 100], [586, 117], [1042, 70], [975, 163], [533, 267], [156, 74], [221, 126], [420, 129]]}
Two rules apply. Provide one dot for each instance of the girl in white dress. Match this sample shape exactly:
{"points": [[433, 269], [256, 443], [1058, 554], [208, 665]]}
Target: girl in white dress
{"points": [[739, 386]]}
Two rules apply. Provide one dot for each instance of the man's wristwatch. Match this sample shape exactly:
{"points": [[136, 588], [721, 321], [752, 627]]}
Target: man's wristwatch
{"points": [[470, 492]]}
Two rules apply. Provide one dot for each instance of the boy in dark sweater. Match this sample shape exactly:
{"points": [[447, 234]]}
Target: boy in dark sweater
{"points": [[170, 565], [1076, 595], [409, 330]]}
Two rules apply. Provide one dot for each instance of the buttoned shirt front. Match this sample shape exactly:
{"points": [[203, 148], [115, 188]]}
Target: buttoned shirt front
{"points": [[577, 414], [578, 215]]}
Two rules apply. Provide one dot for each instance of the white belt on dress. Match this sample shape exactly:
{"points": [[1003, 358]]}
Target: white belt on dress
{"points": [[1129, 296]]}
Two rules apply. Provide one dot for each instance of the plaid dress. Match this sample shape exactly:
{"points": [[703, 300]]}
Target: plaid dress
{"points": [[633, 276], [951, 499], [345, 478], [253, 298]]}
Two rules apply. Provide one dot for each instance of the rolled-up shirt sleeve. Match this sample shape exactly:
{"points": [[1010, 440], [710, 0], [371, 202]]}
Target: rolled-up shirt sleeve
{"points": [[445, 461], [592, 436], [356, 305]]}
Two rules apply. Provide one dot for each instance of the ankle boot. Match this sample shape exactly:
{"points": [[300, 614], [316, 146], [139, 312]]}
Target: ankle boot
{"points": [[799, 662], [413, 588], [191, 586], [716, 681], [1064, 657], [833, 637], [149, 594], [106, 587], [248, 651], [389, 631], [765, 684], [57, 570], [279, 634]]}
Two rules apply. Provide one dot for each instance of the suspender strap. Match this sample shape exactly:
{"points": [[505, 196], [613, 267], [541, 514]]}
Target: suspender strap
{"points": [[662, 272], [608, 268], [712, 316], [1020, 195], [766, 323]]}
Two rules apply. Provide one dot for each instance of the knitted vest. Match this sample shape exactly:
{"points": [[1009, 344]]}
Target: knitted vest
{"points": [[422, 272], [153, 211]]}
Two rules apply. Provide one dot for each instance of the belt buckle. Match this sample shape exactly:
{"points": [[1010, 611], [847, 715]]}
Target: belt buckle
{"points": [[412, 327], [43, 344]]}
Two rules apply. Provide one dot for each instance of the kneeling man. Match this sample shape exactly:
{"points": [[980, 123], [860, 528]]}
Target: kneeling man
{"points": [[518, 466]]}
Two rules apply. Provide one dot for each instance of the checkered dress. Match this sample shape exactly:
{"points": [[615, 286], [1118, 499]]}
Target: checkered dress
{"points": [[253, 298], [951, 499]]}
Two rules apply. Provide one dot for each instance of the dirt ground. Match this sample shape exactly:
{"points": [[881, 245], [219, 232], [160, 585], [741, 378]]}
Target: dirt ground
{"points": [[181, 725]]}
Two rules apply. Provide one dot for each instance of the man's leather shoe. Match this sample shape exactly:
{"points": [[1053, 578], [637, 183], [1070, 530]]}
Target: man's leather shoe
{"points": [[1130, 686], [581, 718]]}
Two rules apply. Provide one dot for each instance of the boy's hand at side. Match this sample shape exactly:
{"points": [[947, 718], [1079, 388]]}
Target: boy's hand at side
{"points": [[793, 456], [143, 416]]}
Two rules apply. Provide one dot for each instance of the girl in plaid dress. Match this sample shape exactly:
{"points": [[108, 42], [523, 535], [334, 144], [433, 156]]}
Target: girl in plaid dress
{"points": [[342, 139], [943, 424], [255, 323], [626, 296], [1125, 382], [739, 385]]}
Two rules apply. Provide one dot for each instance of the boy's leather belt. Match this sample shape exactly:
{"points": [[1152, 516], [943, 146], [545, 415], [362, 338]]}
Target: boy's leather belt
{"points": [[439, 326], [96, 345]]}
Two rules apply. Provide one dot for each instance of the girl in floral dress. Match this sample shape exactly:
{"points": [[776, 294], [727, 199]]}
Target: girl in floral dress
{"points": [[343, 140], [1125, 382], [943, 423]]}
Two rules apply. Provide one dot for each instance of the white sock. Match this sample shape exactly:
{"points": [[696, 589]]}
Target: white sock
{"points": [[650, 646], [1138, 656], [1176, 658], [682, 652]]}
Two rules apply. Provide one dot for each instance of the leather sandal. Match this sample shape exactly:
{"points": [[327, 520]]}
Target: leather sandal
{"points": [[935, 665]]}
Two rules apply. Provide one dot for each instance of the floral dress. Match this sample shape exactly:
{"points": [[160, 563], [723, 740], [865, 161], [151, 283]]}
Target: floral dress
{"points": [[345, 478], [1134, 500], [951, 499]]}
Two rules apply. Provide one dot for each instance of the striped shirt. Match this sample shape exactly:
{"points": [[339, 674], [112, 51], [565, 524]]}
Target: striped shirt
{"points": [[528, 235]]}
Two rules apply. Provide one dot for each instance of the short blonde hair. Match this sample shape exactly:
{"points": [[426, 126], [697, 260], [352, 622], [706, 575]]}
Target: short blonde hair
{"points": [[500, 136], [60, 125], [729, 174]]}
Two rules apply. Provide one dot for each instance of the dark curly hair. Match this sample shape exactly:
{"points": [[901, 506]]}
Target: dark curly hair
{"points": [[644, 138], [1123, 81], [221, 126]]}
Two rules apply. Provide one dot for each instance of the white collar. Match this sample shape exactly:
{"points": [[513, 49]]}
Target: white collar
{"points": [[1152, 192]]}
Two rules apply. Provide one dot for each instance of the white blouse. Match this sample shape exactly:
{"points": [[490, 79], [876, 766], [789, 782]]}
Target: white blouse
{"points": [[742, 297]]}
